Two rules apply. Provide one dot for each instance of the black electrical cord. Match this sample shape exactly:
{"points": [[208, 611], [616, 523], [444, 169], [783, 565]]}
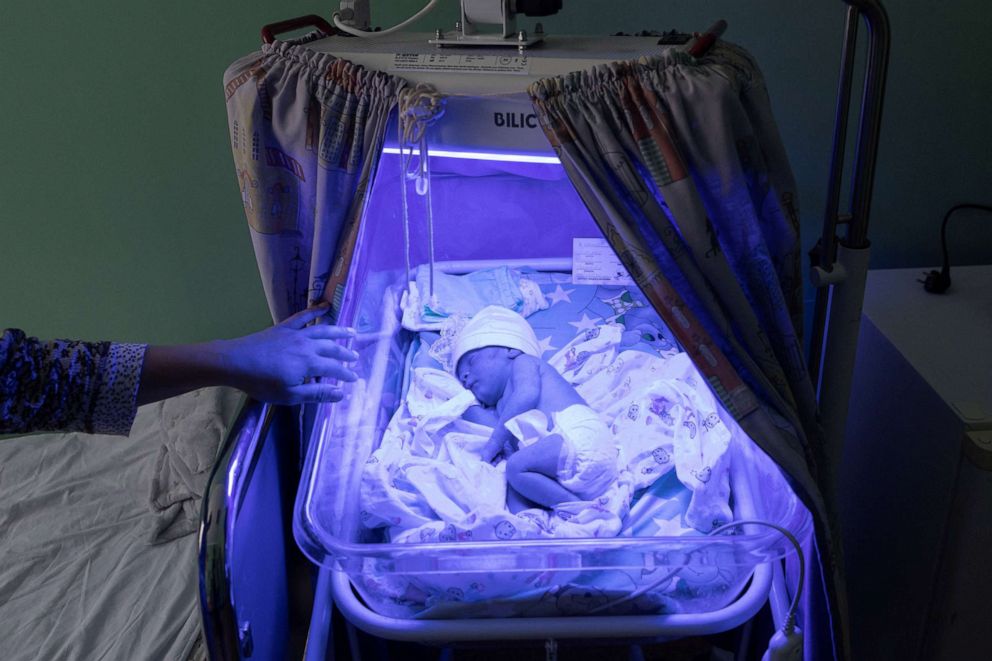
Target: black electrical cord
{"points": [[937, 282]]}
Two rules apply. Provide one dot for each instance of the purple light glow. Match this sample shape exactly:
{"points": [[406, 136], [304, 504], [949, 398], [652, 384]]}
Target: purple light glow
{"points": [[480, 156]]}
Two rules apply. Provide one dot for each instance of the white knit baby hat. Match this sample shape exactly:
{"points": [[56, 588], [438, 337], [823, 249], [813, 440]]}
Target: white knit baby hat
{"points": [[495, 326]]}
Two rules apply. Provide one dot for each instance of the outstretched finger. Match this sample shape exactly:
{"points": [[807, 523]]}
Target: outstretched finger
{"points": [[329, 332], [335, 350], [304, 317], [316, 392], [330, 368]]}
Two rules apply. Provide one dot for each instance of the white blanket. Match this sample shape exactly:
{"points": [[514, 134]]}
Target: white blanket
{"points": [[426, 482]]}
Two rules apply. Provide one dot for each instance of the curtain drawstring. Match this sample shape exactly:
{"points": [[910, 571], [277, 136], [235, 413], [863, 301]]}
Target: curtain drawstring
{"points": [[406, 213], [419, 108]]}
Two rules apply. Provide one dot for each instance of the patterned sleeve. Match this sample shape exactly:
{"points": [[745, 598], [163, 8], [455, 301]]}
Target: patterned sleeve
{"points": [[65, 385]]}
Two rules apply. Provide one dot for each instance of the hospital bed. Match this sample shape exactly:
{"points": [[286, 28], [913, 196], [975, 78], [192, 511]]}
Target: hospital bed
{"points": [[98, 539], [281, 472]]}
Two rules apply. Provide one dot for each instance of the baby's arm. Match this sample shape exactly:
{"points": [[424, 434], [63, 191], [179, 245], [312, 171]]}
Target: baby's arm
{"points": [[523, 392], [481, 415]]}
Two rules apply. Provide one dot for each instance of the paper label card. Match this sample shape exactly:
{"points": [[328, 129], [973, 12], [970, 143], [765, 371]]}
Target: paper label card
{"points": [[595, 263]]}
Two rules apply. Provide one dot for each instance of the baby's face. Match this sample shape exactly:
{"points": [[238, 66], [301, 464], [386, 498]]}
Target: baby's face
{"points": [[485, 372]]}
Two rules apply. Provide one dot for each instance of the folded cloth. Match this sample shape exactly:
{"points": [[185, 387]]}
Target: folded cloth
{"points": [[192, 428], [465, 295]]}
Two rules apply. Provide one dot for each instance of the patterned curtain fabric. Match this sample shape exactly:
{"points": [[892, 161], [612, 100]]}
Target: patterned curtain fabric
{"points": [[306, 131], [680, 162]]}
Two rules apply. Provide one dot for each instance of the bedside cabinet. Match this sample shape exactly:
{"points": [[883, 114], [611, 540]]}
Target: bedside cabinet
{"points": [[915, 487]]}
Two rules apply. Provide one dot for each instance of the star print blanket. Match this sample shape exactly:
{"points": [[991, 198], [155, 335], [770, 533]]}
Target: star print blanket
{"points": [[426, 483]]}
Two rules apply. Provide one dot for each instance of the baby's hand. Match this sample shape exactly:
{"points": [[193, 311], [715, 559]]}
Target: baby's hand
{"points": [[492, 451]]}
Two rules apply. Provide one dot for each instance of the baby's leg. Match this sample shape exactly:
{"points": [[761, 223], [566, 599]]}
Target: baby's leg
{"points": [[517, 503], [533, 473]]}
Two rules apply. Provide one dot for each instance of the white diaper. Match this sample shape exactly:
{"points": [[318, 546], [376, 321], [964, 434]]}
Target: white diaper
{"points": [[587, 465]]}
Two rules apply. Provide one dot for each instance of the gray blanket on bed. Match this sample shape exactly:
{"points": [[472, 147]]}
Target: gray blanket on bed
{"points": [[79, 578], [191, 430]]}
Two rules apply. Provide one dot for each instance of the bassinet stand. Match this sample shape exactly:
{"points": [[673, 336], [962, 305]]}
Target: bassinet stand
{"points": [[246, 563]]}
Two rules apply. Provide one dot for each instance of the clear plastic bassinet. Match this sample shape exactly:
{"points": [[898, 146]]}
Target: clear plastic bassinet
{"points": [[513, 210]]}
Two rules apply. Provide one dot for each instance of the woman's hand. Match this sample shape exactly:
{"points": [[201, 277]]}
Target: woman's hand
{"points": [[277, 365], [281, 364]]}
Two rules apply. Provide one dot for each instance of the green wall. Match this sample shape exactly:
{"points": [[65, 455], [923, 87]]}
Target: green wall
{"points": [[119, 213]]}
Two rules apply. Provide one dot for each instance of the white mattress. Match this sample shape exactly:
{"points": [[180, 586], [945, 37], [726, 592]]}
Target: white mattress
{"points": [[79, 575]]}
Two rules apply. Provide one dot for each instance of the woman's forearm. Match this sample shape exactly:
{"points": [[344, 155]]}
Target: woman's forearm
{"points": [[173, 370]]}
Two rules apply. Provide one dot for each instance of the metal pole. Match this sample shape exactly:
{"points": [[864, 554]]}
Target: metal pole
{"points": [[828, 238], [841, 277], [866, 154]]}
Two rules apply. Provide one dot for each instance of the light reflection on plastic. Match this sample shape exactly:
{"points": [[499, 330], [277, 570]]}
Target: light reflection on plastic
{"points": [[232, 474], [480, 155]]}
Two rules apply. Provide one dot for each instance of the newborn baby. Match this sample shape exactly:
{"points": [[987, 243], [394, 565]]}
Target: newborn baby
{"points": [[497, 356]]}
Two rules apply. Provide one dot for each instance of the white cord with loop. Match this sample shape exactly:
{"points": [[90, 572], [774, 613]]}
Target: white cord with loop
{"points": [[790, 620], [419, 108], [341, 25], [406, 211]]}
